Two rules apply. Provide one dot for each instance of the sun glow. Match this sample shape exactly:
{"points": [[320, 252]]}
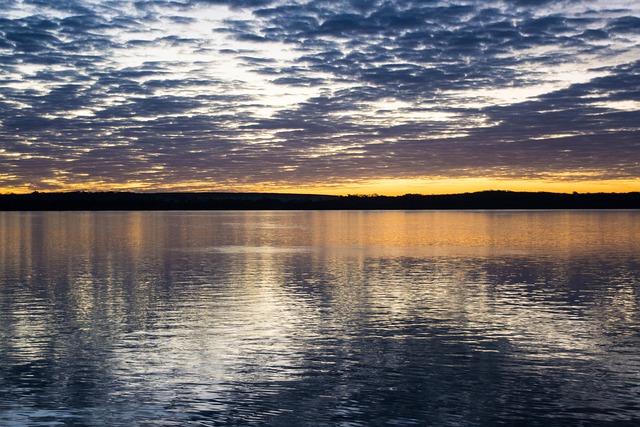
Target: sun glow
{"points": [[396, 187], [383, 187]]}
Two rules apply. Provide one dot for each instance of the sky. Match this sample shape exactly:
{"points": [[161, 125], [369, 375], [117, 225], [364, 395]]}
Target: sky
{"points": [[318, 96]]}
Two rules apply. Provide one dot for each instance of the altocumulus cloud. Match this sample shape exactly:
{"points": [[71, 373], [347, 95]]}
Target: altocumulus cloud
{"points": [[268, 94]]}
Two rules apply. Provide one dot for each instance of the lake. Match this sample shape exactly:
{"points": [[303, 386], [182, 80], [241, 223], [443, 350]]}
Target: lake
{"points": [[352, 318]]}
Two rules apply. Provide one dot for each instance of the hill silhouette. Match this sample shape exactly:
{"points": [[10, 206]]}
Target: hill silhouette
{"points": [[269, 201]]}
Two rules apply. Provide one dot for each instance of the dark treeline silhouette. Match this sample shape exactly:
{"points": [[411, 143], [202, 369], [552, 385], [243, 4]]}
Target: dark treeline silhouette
{"points": [[266, 201]]}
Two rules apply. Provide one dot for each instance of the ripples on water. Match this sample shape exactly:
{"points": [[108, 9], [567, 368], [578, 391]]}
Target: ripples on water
{"points": [[319, 318]]}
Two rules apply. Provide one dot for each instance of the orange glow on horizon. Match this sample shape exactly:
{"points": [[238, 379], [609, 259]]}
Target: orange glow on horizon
{"points": [[386, 187], [470, 185]]}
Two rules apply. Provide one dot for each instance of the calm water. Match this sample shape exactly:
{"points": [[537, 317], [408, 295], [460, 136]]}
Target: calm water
{"points": [[319, 318]]}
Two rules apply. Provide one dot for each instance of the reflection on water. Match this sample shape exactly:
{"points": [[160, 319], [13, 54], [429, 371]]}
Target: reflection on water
{"points": [[322, 318]]}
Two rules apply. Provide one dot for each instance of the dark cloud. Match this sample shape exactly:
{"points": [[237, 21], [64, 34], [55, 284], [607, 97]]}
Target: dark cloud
{"points": [[30, 37], [625, 24]]}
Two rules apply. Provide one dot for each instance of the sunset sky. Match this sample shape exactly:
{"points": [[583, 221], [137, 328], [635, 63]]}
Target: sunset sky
{"points": [[319, 96]]}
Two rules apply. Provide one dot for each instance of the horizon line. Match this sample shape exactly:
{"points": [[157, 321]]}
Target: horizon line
{"points": [[222, 192]]}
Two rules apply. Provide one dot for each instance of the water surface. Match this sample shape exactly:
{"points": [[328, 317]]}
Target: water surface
{"points": [[319, 318]]}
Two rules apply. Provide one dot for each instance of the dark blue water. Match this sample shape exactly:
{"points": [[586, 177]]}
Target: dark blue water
{"points": [[319, 318]]}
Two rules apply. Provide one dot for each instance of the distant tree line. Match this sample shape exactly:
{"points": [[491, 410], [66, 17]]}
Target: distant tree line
{"points": [[84, 201]]}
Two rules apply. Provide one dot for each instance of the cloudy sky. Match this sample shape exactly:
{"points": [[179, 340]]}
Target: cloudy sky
{"points": [[324, 96]]}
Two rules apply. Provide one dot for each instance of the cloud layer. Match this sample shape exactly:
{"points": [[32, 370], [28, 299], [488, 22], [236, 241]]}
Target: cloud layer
{"points": [[215, 94]]}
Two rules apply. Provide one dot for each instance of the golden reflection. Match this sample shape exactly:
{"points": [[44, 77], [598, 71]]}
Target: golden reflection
{"points": [[15, 242], [417, 233]]}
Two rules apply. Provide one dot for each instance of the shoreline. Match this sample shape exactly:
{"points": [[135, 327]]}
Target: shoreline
{"points": [[483, 200]]}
